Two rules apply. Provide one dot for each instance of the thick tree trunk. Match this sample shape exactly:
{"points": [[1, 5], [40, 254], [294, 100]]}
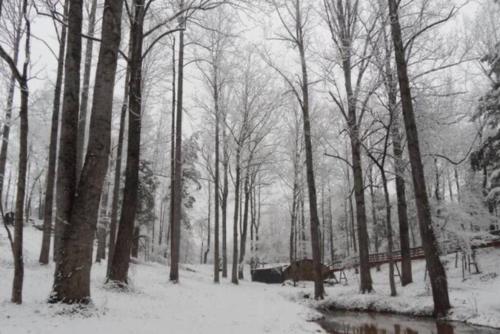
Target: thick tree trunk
{"points": [[437, 274], [82, 117], [51, 170], [66, 164], [125, 236], [178, 184], [72, 278]]}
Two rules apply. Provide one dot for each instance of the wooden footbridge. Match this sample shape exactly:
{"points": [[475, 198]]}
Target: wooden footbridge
{"points": [[416, 253]]}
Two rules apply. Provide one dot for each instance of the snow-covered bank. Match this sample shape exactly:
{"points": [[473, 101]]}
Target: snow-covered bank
{"points": [[475, 301], [154, 305]]}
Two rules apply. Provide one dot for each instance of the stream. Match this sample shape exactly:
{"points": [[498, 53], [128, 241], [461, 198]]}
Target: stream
{"points": [[346, 322]]}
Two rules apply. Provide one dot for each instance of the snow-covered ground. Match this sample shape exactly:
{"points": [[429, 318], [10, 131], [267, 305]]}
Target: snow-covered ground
{"points": [[154, 305], [197, 305]]}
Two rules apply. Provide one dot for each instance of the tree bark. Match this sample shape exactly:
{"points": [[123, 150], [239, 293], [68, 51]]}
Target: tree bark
{"points": [[357, 172], [436, 270], [244, 231], [177, 184], [234, 271], [216, 180], [225, 195], [311, 185], [72, 278], [82, 117], [66, 165], [404, 234], [118, 172], [54, 128], [17, 288], [125, 237]]}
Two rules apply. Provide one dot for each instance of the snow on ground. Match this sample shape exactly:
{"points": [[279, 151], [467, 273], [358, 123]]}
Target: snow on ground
{"points": [[154, 305], [197, 305], [475, 301]]}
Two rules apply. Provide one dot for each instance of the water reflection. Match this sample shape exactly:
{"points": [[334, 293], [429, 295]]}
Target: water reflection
{"points": [[372, 323]]}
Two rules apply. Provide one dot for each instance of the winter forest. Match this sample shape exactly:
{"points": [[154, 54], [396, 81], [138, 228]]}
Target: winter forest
{"points": [[250, 166]]}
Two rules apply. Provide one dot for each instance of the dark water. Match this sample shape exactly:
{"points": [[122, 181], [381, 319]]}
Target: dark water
{"points": [[342, 322]]}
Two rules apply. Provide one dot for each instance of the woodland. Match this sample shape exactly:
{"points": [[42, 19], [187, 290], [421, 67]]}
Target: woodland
{"points": [[211, 140]]}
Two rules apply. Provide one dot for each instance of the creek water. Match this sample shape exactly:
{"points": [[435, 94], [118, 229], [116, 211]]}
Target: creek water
{"points": [[345, 322]]}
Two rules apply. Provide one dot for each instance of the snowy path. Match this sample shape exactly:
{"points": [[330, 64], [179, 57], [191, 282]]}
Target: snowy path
{"points": [[195, 305]]}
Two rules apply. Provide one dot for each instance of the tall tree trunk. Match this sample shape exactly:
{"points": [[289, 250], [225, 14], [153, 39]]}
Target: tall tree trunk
{"points": [[225, 195], [66, 164], [125, 236], [118, 173], [178, 184], [404, 234], [72, 278], [54, 128], [172, 144], [436, 270], [357, 172], [311, 185], [399, 166], [82, 117], [216, 180], [234, 271], [17, 288]]}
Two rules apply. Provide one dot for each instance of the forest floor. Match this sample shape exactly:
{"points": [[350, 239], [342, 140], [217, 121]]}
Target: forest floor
{"points": [[475, 300], [196, 305], [153, 305]]}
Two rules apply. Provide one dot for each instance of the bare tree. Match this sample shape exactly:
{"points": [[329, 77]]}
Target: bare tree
{"points": [[344, 22], [296, 36], [436, 270], [21, 76]]}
